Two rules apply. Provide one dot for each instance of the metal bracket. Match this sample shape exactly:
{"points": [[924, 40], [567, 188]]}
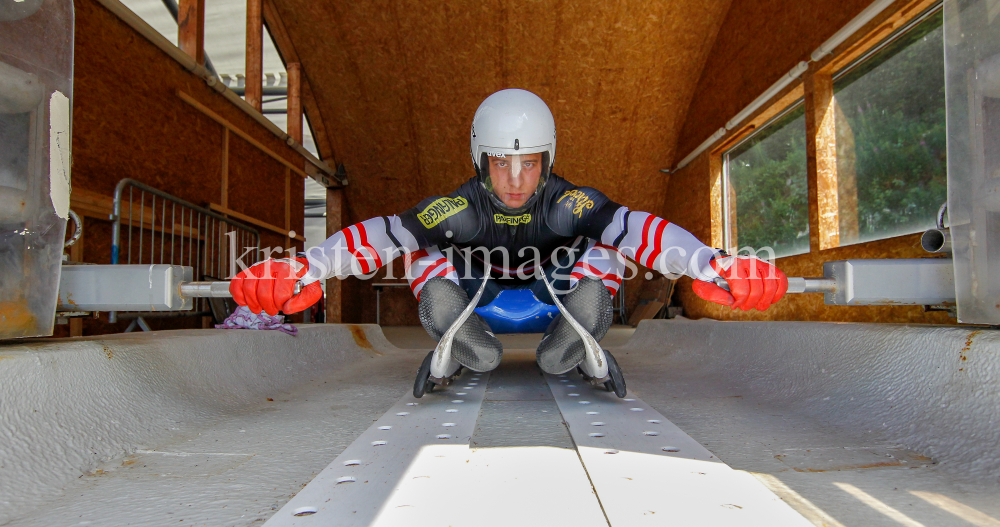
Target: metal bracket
{"points": [[594, 363], [442, 365]]}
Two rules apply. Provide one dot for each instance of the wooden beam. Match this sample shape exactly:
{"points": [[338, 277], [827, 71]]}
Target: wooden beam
{"points": [[294, 70], [243, 135], [824, 169], [253, 221], [310, 108], [225, 167], [255, 54], [278, 33], [288, 207], [191, 29], [334, 222]]}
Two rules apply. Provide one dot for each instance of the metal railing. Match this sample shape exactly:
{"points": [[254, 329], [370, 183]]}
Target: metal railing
{"points": [[150, 226]]}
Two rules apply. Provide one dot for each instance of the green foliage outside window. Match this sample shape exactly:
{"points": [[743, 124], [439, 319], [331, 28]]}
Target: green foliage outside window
{"points": [[891, 137], [767, 174]]}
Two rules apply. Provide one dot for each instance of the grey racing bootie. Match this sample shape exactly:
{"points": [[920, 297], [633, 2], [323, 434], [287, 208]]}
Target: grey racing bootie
{"points": [[475, 346], [561, 349]]}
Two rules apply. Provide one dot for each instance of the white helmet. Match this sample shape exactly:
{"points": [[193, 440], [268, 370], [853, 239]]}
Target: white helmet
{"points": [[512, 122]]}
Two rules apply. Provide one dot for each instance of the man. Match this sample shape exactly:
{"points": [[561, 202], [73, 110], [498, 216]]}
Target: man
{"points": [[538, 223]]}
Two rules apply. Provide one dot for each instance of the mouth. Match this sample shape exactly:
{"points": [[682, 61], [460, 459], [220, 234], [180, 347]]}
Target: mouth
{"points": [[514, 200]]}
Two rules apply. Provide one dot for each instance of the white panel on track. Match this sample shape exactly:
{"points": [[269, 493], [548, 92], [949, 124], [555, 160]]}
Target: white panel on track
{"points": [[354, 488], [418, 478], [647, 471]]}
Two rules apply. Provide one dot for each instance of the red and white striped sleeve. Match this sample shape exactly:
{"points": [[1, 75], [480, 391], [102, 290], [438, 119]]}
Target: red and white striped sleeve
{"points": [[658, 244], [425, 264], [603, 262], [359, 249]]}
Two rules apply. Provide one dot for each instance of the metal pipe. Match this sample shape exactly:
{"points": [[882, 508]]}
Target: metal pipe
{"points": [[936, 240], [205, 289], [798, 285], [852, 27], [77, 232], [214, 289]]}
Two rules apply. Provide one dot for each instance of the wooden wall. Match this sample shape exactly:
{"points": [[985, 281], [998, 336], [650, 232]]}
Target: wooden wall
{"points": [[747, 58], [128, 121], [397, 83], [760, 40]]}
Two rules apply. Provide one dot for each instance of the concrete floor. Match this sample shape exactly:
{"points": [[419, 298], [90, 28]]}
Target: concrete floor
{"points": [[240, 469]]}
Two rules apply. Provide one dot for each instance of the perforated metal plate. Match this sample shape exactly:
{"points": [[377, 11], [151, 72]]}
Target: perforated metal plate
{"points": [[353, 489], [647, 471]]}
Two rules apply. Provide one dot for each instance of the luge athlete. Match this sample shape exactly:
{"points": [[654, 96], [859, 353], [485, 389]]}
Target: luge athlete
{"points": [[514, 208]]}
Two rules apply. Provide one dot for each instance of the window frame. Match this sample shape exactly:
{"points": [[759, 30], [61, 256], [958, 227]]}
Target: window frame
{"points": [[815, 91], [727, 190]]}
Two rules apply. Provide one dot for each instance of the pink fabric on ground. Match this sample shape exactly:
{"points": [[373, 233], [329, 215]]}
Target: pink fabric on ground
{"points": [[243, 318]]}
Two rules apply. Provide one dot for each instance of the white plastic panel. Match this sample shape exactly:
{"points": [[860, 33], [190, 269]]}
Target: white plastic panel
{"points": [[124, 288], [972, 59]]}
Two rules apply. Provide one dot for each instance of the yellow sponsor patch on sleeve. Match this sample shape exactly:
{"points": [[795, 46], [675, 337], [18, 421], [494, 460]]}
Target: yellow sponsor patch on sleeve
{"points": [[512, 220], [441, 209]]}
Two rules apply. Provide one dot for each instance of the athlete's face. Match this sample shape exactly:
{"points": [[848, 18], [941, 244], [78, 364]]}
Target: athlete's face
{"points": [[515, 178]]}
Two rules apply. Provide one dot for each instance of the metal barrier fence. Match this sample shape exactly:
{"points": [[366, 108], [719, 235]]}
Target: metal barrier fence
{"points": [[152, 227]]}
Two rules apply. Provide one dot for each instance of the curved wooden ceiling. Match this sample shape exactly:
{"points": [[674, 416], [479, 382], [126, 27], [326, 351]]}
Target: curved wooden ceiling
{"points": [[396, 84]]}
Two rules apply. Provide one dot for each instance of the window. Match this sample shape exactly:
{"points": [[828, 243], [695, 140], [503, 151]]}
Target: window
{"points": [[765, 188], [890, 135]]}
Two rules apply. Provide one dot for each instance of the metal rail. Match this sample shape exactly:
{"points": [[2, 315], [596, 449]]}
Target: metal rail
{"points": [[798, 285], [163, 229]]}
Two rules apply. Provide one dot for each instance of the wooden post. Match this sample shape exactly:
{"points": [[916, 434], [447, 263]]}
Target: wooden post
{"points": [[255, 53], [191, 29], [295, 101], [334, 222], [288, 212], [821, 122], [224, 198]]}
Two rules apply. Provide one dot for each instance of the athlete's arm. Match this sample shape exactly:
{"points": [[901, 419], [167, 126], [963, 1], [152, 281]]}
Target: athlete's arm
{"points": [[357, 250], [671, 250]]}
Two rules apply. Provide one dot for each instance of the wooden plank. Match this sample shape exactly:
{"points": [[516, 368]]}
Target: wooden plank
{"points": [[334, 222], [294, 100], [825, 140], [288, 207], [243, 135], [225, 167], [255, 54], [645, 312], [191, 29], [254, 221]]}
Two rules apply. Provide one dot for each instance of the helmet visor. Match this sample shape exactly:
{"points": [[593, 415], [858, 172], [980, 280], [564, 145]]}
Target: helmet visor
{"points": [[514, 178]]}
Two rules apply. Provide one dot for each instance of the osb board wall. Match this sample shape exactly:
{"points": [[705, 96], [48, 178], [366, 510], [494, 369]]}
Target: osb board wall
{"points": [[759, 41], [397, 83], [688, 205], [129, 122]]}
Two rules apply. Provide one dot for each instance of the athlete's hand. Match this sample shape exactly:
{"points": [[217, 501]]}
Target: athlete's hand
{"points": [[270, 285], [753, 283]]}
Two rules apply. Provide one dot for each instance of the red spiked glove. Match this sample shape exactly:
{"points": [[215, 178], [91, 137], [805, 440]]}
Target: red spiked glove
{"points": [[270, 285], [753, 283]]}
